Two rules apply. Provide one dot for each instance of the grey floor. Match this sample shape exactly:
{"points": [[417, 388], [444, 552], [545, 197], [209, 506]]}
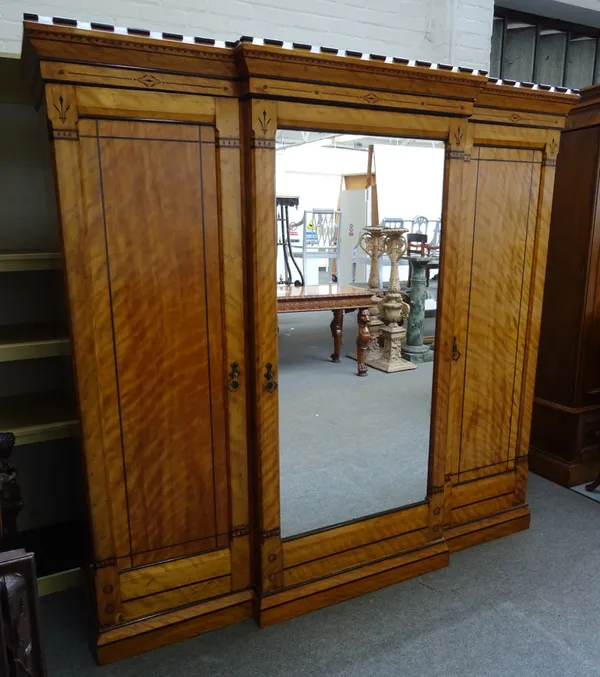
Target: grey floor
{"points": [[581, 489], [349, 446], [524, 605]]}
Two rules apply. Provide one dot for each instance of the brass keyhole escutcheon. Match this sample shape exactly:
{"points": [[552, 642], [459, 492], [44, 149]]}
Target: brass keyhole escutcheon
{"points": [[233, 382], [455, 351], [271, 384]]}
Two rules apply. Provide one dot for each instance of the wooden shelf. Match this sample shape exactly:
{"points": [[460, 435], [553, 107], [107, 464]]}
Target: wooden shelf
{"points": [[39, 417], [14, 87], [30, 341], [59, 549], [14, 261]]}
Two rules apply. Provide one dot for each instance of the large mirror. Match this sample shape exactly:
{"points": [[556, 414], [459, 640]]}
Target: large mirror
{"points": [[359, 237]]}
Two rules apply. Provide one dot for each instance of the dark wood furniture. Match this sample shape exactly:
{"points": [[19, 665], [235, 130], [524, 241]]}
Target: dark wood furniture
{"points": [[149, 137], [10, 492], [565, 433], [417, 246], [338, 299], [21, 653]]}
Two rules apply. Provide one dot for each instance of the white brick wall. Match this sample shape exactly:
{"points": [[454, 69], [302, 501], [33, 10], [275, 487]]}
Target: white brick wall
{"points": [[449, 31]]}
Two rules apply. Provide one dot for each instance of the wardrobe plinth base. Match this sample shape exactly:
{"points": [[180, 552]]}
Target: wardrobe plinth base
{"points": [[167, 628], [301, 599], [486, 529]]}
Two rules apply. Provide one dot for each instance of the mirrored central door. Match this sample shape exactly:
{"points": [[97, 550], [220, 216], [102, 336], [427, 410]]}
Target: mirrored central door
{"points": [[358, 255]]}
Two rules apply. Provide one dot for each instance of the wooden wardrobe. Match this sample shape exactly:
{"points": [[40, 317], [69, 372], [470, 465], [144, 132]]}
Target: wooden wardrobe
{"points": [[565, 434], [165, 177]]}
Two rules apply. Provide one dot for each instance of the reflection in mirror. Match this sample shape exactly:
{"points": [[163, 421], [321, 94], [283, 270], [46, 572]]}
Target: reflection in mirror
{"points": [[359, 236]]}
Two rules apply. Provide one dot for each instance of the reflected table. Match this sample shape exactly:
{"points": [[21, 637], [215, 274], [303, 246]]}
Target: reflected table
{"points": [[337, 298]]}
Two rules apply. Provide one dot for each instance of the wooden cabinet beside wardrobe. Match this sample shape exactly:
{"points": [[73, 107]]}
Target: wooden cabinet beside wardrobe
{"points": [[165, 179], [565, 434]]}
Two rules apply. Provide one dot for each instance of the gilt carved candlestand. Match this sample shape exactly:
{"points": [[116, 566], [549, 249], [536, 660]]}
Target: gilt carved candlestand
{"points": [[371, 242], [414, 349], [394, 310]]}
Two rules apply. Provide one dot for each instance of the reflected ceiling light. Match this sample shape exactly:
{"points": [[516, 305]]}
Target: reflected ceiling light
{"points": [[348, 137]]}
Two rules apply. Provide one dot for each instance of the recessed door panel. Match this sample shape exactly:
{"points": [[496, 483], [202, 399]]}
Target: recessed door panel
{"points": [[158, 191], [507, 186]]}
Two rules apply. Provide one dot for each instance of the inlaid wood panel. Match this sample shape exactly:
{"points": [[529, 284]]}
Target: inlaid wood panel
{"points": [[145, 581], [360, 533], [505, 210], [177, 597], [162, 264], [171, 282]]}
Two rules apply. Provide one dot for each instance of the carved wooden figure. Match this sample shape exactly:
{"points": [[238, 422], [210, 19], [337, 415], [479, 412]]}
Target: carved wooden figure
{"points": [[11, 503], [149, 136], [362, 340]]}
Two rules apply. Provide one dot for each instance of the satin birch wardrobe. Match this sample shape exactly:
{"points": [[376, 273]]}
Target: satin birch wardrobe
{"points": [[165, 181]]}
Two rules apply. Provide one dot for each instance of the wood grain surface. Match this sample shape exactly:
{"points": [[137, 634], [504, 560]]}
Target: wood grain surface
{"points": [[159, 630], [144, 581], [164, 295], [261, 126], [506, 190], [158, 144], [235, 332], [566, 414]]}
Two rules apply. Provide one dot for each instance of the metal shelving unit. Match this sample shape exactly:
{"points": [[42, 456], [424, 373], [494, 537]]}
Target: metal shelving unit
{"points": [[531, 48]]}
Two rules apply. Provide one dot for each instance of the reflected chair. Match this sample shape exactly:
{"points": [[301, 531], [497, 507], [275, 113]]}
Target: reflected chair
{"points": [[418, 246], [321, 238]]}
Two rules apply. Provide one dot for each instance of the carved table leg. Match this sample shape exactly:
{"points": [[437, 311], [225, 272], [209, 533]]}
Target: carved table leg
{"points": [[362, 340], [337, 331]]}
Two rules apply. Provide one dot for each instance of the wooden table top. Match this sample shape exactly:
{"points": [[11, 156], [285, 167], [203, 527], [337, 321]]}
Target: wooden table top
{"points": [[321, 297]]}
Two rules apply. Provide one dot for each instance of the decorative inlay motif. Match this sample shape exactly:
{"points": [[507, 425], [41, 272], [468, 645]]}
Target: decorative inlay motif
{"points": [[270, 533], [228, 142], [265, 144], [63, 110], [157, 46], [400, 99], [515, 117], [264, 123], [149, 80], [458, 136], [238, 532], [103, 564], [68, 134], [365, 67], [290, 306]]}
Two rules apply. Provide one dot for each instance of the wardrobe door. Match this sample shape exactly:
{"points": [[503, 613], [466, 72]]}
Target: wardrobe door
{"points": [[150, 217], [502, 187], [151, 197]]}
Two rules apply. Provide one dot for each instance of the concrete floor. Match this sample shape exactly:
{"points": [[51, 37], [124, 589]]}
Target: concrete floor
{"points": [[349, 446], [522, 605]]}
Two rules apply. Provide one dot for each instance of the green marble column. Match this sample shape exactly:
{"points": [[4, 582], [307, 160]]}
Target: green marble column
{"points": [[414, 349]]}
